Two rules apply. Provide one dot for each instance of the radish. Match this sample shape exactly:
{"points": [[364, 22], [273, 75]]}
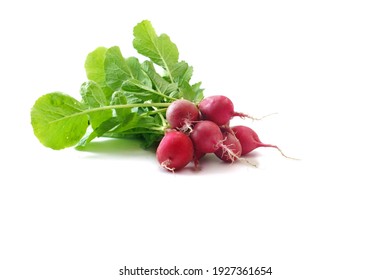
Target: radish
{"points": [[250, 140], [181, 114], [218, 109], [175, 150], [233, 151], [197, 156], [206, 136]]}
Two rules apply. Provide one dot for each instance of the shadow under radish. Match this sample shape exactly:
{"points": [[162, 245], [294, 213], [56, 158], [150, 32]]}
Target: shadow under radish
{"points": [[116, 147]]}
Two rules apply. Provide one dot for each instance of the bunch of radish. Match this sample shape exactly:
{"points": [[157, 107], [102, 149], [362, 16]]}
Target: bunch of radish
{"points": [[126, 97], [197, 130]]}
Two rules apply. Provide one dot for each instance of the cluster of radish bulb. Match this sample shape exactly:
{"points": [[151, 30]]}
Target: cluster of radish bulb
{"points": [[199, 130]]}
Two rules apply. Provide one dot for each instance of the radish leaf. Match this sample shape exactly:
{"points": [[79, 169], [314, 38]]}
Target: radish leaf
{"points": [[94, 67], [94, 97], [58, 120], [122, 97], [116, 68], [159, 49]]}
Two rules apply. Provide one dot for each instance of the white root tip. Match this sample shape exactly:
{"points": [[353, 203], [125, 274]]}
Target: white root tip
{"points": [[244, 160], [187, 127], [165, 164], [231, 155], [245, 116]]}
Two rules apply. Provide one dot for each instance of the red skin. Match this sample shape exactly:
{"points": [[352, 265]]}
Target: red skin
{"points": [[181, 114], [197, 157], [218, 109], [175, 151], [206, 136], [250, 140], [231, 149]]}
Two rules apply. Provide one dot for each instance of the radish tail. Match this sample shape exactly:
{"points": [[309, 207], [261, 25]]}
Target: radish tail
{"points": [[276, 147], [243, 116]]}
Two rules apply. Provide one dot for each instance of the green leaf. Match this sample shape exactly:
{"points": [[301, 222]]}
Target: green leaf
{"points": [[162, 86], [150, 139], [94, 67], [136, 86], [58, 121], [116, 68], [144, 127], [118, 98], [137, 72], [123, 97], [159, 49], [132, 97], [131, 121], [187, 91], [92, 94], [103, 128], [193, 93], [136, 89], [181, 72], [198, 92], [94, 97]]}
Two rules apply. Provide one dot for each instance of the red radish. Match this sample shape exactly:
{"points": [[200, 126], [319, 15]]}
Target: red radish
{"points": [[197, 157], [175, 150], [250, 140], [218, 109], [233, 149], [181, 114], [206, 137]]}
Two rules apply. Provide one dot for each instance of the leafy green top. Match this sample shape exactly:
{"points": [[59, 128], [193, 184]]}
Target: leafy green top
{"points": [[123, 96]]}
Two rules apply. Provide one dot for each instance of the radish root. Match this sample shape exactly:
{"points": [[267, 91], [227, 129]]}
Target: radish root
{"points": [[232, 155], [165, 164], [276, 147], [245, 116]]}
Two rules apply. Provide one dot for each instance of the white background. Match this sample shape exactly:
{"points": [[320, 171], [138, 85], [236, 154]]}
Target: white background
{"points": [[323, 66]]}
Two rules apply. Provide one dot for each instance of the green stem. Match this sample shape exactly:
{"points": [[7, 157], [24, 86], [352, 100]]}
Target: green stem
{"points": [[154, 112], [122, 106], [164, 122], [110, 107]]}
